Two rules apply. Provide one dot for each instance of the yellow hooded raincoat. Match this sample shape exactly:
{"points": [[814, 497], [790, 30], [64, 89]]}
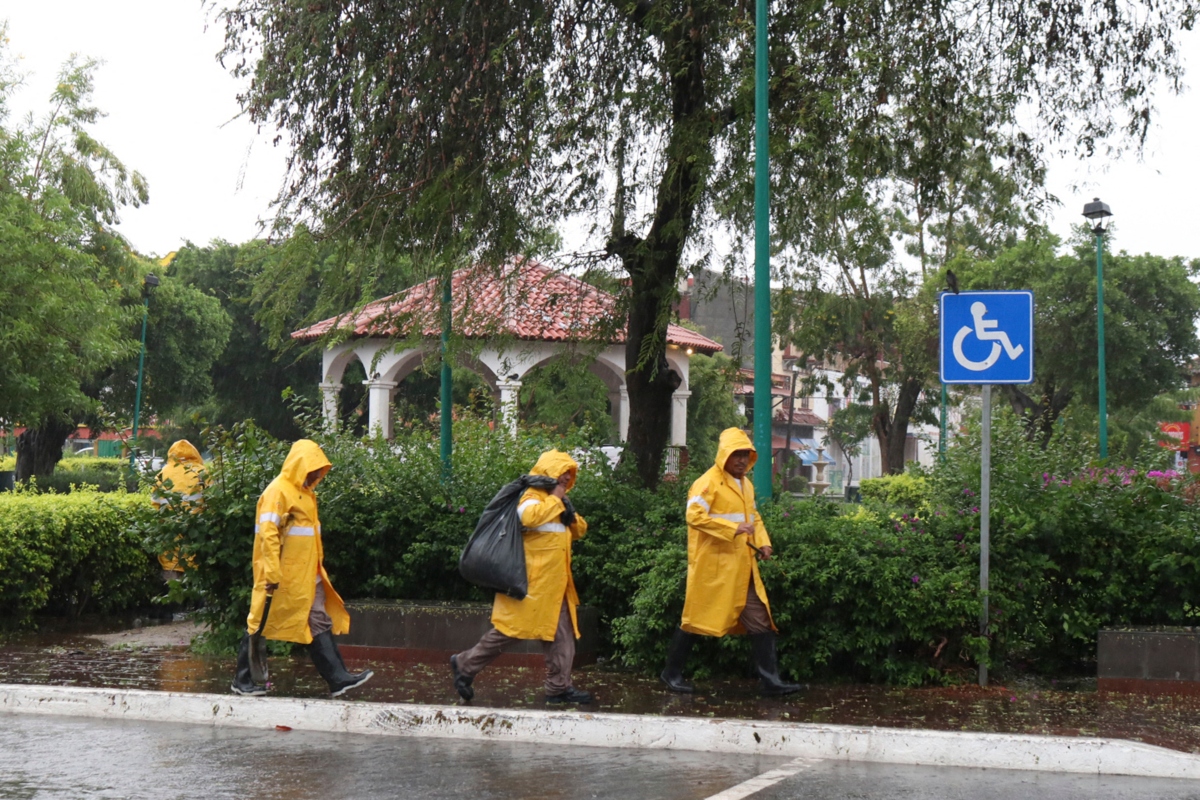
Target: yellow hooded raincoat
{"points": [[547, 559], [288, 551], [720, 565], [184, 471]]}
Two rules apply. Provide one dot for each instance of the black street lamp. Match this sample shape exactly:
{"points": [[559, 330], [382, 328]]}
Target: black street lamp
{"points": [[148, 284], [1096, 212]]}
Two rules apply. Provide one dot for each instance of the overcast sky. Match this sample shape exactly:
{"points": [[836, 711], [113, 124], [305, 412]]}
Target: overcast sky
{"points": [[172, 115]]}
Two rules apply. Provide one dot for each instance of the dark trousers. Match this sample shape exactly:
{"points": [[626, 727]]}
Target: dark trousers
{"points": [[560, 653], [754, 617]]}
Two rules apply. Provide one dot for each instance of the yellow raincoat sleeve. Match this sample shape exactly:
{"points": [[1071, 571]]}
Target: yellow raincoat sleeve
{"points": [[272, 513], [699, 517], [578, 528], [535, 512]]}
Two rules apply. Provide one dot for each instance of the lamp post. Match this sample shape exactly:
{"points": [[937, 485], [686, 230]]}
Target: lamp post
{"points": [[762, 257], [150, 281], [1096, 212]]}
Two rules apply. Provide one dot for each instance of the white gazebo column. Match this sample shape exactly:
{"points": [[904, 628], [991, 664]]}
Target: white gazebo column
{"points": [[679, 418], [619, 400], [329, 402], [379, 407], [510, 393]]}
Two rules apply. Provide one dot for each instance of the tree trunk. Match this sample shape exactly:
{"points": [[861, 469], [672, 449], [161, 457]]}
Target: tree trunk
{"points": [[650, 389], [1039, 415], [653, 262], [892, 429], [40, 449]]}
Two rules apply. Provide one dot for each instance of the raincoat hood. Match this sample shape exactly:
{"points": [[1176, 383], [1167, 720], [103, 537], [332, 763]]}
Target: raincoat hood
{"points": [[734, 439], [305, 456], [184, 452], [554, 463]]}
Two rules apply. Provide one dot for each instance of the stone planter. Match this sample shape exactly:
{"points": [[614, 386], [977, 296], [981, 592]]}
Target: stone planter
{"points": [[1149, 661], [432, 632]]}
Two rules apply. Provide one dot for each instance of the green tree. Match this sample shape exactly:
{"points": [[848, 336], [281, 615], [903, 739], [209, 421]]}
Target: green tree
{"points": [[456, 130], [65, 267], [186, 331], [848, 428], [254, 356], [1151, 305], [882, 334]]}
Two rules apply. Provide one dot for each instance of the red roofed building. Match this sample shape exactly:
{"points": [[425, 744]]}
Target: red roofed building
{"points": [[525, 313]]}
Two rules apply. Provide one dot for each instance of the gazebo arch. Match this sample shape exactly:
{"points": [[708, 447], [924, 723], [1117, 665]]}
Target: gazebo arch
{"points": [[524, 317]]}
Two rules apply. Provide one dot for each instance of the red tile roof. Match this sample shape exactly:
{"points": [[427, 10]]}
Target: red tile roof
{"points": [[801, 416], [525, 300]]}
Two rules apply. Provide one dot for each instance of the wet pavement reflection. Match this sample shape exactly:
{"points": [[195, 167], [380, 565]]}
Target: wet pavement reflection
{"points": [[75, 659], [63, 758], [56, 757]]}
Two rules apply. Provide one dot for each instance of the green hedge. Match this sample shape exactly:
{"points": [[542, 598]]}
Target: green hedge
{"points": [[105, 474], [65, 554], [885, 591]]}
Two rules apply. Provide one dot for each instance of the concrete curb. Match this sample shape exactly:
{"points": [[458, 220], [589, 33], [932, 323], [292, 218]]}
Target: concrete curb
{"points": [[793, 740]]}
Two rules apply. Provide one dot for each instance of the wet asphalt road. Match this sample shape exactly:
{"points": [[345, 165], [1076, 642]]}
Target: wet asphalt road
{"points": [[51, 757]]}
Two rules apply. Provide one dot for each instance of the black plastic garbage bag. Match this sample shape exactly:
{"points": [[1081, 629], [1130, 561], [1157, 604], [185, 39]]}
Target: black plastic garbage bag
{"points": [[494, 557]]}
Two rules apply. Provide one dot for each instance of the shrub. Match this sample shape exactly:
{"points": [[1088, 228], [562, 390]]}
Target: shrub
{"points": [[104, 474], [905, 491], [69, 553], [1074, 546], [854, 597]]}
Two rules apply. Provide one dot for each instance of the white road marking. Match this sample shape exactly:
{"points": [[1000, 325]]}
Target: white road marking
{"points": [[766, 780]]}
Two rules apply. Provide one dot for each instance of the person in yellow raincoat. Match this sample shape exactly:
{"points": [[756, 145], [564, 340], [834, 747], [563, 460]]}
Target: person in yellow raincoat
{"points": [[183, 475], [293, 600], [725, 594], [549, 525]]}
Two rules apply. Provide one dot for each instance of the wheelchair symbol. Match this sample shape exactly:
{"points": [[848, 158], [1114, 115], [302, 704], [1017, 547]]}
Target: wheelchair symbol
{"points": [[983, 331]]}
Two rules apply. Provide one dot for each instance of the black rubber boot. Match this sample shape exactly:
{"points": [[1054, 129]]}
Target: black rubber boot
{"points": [[462, 683], [243, 683], [763, 646], [570, 695], [325, 655], [677, 655]]}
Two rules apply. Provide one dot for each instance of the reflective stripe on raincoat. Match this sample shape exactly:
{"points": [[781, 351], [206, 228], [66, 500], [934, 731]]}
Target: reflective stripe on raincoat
{"points": [[288, 551], [547, 559], [182, 475], [720, 565]]}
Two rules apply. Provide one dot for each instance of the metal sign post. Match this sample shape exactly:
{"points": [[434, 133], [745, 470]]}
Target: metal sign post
{"points": [[985, 507], [986, 338]]}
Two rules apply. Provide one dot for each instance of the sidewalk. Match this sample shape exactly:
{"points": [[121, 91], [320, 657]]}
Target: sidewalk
{"points": [[156, 659]]}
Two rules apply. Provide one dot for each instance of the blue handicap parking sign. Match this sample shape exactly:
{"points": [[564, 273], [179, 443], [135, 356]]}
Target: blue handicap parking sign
{"points": [[987, 337]]}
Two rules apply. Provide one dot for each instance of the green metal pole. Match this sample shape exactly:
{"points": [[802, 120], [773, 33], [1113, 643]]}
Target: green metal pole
{"points": [[137, 402], [762, 260], [942, 438], [1100, 341], [447, 395]]}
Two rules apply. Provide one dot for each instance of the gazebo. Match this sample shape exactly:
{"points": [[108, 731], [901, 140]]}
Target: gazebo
{"points": [[524, 316]]}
